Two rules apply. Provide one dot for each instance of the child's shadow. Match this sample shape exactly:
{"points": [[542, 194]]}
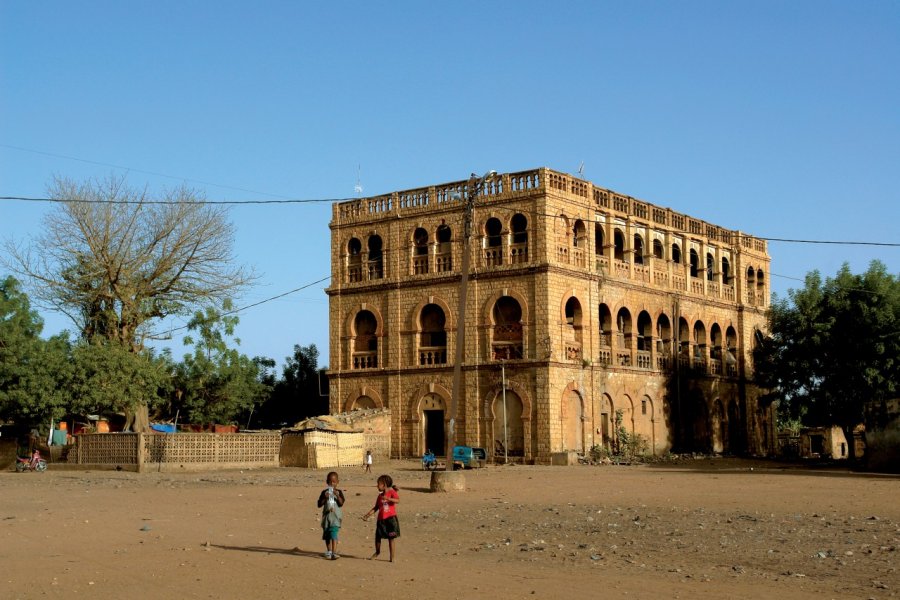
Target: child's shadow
{"points": [[268, 550]]}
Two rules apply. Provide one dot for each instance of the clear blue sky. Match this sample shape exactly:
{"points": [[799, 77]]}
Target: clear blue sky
{"points": [[781, 119]]}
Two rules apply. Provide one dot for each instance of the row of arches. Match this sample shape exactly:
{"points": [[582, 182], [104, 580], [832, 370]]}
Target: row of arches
{"points": [[626, 339], [432, 326], [503, 240], [506, 418]]}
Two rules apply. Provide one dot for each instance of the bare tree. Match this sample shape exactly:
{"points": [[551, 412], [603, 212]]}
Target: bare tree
{"points": [[117, 262]]}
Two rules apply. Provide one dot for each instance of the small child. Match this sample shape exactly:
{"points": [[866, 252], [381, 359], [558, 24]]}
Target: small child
{"points": [[368, 461], [386, 506], [330, 501]]}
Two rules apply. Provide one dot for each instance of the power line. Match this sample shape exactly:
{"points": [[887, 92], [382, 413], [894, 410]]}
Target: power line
{"points": [[333, 200], [154, 173], [242, 308], [172, 202]]}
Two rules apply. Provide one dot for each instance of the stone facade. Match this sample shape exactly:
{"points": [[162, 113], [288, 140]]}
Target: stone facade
{"points": [[588, 314]]}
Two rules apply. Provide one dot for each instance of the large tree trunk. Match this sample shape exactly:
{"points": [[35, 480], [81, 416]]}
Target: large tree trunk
{"points": [[137, 418]]}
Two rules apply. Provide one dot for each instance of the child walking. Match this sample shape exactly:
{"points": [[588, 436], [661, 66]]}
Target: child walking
{"points": [[330, 501], [368, 461], [386, 506]]}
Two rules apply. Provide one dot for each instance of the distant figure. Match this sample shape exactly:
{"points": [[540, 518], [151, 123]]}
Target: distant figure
{"points": [[368, 461], [386, 506], [330, 501]]}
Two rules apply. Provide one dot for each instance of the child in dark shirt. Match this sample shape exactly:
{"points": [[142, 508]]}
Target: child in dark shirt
{"points": [[330, 501]]}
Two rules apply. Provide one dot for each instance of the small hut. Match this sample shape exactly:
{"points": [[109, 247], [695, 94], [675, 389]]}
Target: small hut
{"points": [[322, 443]]}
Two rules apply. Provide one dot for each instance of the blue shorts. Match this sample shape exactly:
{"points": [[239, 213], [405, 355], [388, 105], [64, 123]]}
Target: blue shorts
{"points": [[330, 533]]}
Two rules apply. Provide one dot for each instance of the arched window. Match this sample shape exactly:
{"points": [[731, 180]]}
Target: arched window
{"points": [[598, 238], [376, 261], [420, 242], [726, 271], [699, 340], [638, 249], [420, 251], [644, 332], [443, 259], [562, 230], [715, 341], [751, 286], [760, 287], [623, 337], [606, 329], [663, 340], [433, 336], [684, 337], [579, 234], [365, 340], [493, 251], [519, 229], [493, 229], [710, 266], [519, 250], [619, 243], [573, 319], [507, 332], [657, 249], [676, 254], [695, 263], [730, 355], [354, 261]]}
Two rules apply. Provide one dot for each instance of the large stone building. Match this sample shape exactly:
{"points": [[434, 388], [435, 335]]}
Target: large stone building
{"points": [[588, 313]]}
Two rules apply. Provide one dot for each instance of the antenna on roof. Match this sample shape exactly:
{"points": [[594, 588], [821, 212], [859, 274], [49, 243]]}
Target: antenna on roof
{"points": [[358, 188], [581, 170]]}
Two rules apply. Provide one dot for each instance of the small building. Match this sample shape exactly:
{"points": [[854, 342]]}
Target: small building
{"points": [[824, 442], [322, 443]]}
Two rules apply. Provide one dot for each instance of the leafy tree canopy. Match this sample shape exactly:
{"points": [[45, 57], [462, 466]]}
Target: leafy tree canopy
{"points": [[217, 384], [833, 352], [33, 372]]}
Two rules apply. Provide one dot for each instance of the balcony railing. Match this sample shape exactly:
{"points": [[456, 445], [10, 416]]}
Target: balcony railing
{"points": [[420, 265], [493, 257], [643, 359], [518, 253], [365, 360], [443, 263], [506, 351], [432, 356]]}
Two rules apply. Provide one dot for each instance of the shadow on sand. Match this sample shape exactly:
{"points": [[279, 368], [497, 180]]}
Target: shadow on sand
{"points": [[290, 551]]}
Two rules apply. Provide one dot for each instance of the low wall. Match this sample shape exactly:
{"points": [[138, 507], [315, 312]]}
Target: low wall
{"points": [[180, 451]]}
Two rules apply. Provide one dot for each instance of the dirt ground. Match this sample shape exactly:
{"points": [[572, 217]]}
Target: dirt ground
{"points": [[707, 528]]}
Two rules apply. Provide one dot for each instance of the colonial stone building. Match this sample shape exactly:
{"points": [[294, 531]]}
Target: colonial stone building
{"points": [[589, 314]]}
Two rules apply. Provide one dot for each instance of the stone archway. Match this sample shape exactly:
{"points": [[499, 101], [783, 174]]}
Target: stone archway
{"points": [[572, 420], [508, 426]]}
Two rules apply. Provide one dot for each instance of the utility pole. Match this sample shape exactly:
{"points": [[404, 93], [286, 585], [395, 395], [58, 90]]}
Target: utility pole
{"points": [[473, 188]]}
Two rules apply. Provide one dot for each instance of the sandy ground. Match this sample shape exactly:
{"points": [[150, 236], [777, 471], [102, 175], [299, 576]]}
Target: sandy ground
{"points": [[708, 528]]}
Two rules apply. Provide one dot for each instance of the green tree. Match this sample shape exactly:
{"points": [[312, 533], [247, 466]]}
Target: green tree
{"points": [[296, 395], [110, 377], [33, 372], [117, 263], [217, 384], [833, 352]]}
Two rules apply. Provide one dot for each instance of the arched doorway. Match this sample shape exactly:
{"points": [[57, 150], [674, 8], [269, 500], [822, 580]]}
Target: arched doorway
{"points": [[573, 419], [509, 430], [434, 434]]}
